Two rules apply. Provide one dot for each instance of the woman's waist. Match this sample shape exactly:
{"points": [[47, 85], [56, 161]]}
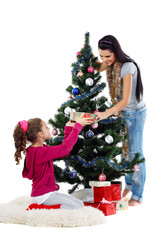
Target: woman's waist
{"points": [[141, 106]]}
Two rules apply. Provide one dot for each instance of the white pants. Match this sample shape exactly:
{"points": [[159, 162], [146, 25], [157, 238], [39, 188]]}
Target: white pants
{"points": [[66, 201]]}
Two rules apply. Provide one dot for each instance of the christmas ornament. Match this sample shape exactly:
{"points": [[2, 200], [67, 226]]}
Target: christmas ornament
{"points": [[119, 144], [80, 74], [73, 174], [90, 69], [79, 53], [94, 125], [76, 91], [54, 132], [136, 168], [102, 177], [70, 98], [89, 81], [57, 187], [100, 135], [109, 139], [108, 104], [95, 111], [89, 134], [67, 110]]}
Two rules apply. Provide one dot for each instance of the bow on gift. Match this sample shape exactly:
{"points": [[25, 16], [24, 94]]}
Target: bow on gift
{"points": [[104, 201]]}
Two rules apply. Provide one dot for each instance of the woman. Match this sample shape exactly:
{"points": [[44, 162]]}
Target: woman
{"points": [[126, 91]]}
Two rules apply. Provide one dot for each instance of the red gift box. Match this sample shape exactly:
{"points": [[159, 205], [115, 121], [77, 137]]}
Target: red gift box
{"points": [[106, 208], [110, 193], [102, 192], [116, 190]]}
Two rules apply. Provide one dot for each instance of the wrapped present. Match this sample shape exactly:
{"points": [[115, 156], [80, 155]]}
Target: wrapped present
{"points": [[111, 191], [75, 115], [108, 208], [116, 190], [122, 204], [102, 192]]}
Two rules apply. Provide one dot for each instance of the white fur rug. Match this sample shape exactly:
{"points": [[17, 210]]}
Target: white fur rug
{"points": [[15, 212]]}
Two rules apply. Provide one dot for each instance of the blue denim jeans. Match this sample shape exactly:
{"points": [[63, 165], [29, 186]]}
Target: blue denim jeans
{"points": [[135, 120]]}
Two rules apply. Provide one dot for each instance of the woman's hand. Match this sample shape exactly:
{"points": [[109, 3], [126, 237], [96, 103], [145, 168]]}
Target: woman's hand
{"points": [[101, 115]]}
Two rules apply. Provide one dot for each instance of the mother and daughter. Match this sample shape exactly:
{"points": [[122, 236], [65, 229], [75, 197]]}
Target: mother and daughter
{"points": [[126, 90]]}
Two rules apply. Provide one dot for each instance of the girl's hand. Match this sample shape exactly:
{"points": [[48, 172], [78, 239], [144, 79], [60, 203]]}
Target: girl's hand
{"points": [[70, 124], [84, 121], [101, 115]]}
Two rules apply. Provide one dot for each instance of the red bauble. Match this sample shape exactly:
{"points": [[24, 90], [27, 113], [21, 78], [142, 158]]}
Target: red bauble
{"points": [[95, 111], [57, 187], [90, 69], [94, 125], [102, 177], [136, 168], [70, 98], [54, 132], [79, 53]]}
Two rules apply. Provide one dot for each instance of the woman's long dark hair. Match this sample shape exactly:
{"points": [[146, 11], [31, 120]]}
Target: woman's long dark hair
{"points": [[109, 42]]}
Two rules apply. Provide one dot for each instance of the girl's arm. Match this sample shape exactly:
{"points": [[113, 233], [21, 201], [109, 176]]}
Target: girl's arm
{"points": [[49, 153], [127, 88], [67, 131]]}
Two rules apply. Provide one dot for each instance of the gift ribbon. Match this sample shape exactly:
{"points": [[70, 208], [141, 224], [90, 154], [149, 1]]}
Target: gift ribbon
{"points": [[104, 201]]}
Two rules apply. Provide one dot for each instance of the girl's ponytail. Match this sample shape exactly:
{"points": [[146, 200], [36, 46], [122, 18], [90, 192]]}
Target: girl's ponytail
{"points": [[25, 131], [20, 141]]}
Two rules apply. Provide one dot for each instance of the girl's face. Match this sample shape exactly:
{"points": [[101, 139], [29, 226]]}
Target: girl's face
{"points": [[46, 131], [107, 56]]}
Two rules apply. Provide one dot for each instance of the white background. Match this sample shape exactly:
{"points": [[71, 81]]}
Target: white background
{"points": [[38, 42]]}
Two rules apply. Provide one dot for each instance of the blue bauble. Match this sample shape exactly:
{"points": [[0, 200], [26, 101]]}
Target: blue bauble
{"points": [[89, 134], [73, 174], [75, 91]]}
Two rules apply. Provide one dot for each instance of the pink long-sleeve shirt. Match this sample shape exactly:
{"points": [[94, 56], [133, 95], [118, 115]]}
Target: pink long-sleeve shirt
{"points": [[38, 165]]}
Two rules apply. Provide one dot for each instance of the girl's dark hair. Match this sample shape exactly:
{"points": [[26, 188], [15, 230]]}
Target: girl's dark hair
{"points": [[109, 42], [21, 138]]}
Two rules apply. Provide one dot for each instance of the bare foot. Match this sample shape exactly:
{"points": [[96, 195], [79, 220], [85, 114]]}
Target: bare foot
{"points": [[125, 192], [133, 202]]}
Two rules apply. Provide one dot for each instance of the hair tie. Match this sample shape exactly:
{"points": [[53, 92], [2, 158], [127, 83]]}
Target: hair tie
{"points": [[24, 125], [106, 42]]}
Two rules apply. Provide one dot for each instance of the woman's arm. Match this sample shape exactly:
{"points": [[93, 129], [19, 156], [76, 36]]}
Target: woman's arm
{"points": [[127, 88]]}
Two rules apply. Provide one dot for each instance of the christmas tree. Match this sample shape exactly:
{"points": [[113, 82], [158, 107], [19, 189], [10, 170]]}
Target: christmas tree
{"points": [[99, 148]]}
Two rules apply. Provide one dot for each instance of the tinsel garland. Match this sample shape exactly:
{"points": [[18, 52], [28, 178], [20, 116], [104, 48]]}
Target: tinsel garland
{"points": [[114, 81], [96, 89], [82, 59], [109, 161]]}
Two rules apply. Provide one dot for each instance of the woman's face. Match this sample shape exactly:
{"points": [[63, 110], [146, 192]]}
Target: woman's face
{"points": [[107, 56]]}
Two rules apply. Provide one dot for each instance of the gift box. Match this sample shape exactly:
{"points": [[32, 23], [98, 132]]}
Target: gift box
{"points": [[108, 208], [102, 192], [75, 115], [111, 191], [122, 204], [116, 190]]}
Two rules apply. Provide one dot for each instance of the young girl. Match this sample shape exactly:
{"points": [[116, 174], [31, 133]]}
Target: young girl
{"points": [[126, 90], [38, 165]]}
